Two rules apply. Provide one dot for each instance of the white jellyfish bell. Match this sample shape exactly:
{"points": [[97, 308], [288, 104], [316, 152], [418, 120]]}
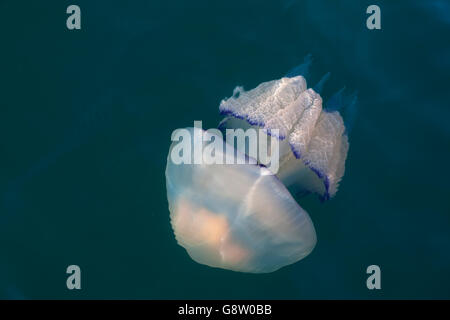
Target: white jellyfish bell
{"points": [[242, 216]]}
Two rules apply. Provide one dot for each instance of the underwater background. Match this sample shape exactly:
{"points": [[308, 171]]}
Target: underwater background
{"points": [[87, 115]]}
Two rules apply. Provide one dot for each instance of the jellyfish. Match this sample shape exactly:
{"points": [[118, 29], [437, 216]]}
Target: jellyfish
{"points": [[244, 217]]}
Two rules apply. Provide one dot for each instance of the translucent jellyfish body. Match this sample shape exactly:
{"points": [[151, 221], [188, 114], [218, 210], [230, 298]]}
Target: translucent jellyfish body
{"points": [[242, 217]]}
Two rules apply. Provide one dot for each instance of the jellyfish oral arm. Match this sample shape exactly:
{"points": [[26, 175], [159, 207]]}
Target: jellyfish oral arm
{"points": [[315, 137]]}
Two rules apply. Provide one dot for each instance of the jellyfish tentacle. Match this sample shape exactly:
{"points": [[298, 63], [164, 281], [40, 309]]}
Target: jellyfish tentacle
{"points": [[350, 111], [302, 69], [319, 86], [347, 104], [336, 101]]}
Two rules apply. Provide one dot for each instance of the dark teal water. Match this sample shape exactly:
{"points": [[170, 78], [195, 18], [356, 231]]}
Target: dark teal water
{"points": [[85, 124]]}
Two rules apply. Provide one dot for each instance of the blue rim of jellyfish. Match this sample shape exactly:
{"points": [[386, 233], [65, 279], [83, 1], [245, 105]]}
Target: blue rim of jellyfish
{"points": [[321, 175], [227, 112]]}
